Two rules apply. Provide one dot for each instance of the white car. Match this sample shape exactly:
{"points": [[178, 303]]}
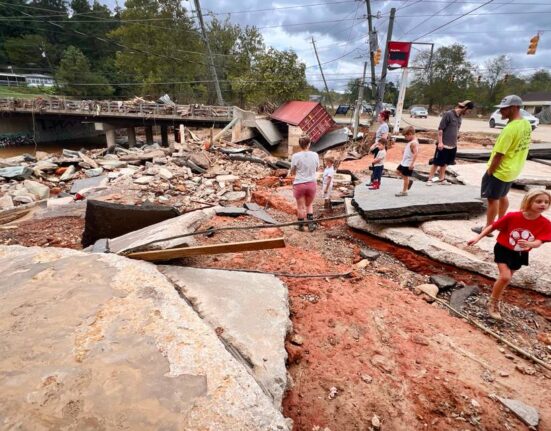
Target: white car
{"points": [[497, 121], [418, 112]]}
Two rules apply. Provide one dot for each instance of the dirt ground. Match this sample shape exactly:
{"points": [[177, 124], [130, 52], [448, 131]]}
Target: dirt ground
{"points": [[366, 353]]}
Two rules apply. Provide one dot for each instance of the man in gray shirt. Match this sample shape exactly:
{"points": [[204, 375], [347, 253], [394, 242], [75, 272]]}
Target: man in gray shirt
{"points": [[448, 131]]}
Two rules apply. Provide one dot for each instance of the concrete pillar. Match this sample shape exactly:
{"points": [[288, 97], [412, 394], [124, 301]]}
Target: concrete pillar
{"points": [[149, 135], [111, 137], [182, 134], [164, 136], [131, 132]]}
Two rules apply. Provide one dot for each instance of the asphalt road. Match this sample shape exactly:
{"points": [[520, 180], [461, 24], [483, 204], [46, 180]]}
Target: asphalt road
{"points": [[542, 132]]}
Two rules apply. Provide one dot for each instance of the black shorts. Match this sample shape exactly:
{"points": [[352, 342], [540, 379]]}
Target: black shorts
{"points": [[513, 259], [405, 170], [444, 157], [494, 188]]}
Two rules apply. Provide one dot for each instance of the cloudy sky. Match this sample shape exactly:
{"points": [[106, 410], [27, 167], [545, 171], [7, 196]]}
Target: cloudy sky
{"points": [[339, 28]]}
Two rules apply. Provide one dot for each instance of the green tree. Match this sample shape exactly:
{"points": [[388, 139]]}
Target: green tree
{"points": [[540, 81], [275, 76], [168, 50], [74, 69], [448, 80], [30, 49]]}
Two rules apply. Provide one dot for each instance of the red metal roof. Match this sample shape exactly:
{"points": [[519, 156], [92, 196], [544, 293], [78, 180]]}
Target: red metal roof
{"points": [[294, 111]]}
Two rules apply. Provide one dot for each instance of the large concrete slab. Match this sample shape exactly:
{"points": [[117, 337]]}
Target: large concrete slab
{"points": [[180, 225], [104, 342], [269, 131], [253, 312], [422, 203], [330, 140], [532, 173], [542, 151]]}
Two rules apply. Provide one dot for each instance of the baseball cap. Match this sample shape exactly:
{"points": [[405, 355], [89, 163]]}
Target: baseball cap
{"points": [[466, 104], [511, 100]]}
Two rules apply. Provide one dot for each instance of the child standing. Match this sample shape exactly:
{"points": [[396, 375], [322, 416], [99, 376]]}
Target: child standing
{"points": [[405, 168], [327, 184], [378, 164], [519, 232]]}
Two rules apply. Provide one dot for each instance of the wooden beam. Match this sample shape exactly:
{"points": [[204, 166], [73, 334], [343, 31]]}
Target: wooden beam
{"points": [[232, 247]]}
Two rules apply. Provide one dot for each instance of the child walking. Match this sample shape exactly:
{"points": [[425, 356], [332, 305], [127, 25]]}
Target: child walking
{"points": [[327, 184], [519, 232], [378, 164], [405, 168]]}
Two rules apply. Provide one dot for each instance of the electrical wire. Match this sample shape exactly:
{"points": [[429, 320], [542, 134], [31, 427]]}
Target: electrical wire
{"points": [[453, 20]]}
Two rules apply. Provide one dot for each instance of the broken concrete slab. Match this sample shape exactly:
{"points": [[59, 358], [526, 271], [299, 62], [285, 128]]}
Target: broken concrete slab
{"points": [[262, 215], [250, 312], [539, 151], [109, 344], [110, 220], [443, 281], [16, 172], [528, 414], [180, 225], [331, 140], [269, 131], [96, 172], [252, 206], [87, 183], [68, 174], [420, 204], [6, 202], [41, 191], [233, 196], [459, 296]]}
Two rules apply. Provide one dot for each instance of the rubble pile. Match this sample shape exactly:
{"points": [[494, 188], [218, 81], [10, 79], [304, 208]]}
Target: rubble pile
{"points": [[185, 175]]}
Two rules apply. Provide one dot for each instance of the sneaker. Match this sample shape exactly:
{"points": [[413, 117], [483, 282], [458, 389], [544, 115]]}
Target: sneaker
{"points": [[435, 179], [428, 183], [312, 226], [300, 227], [401, 194]]}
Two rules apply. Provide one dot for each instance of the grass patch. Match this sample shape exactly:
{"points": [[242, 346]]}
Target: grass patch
{"points": [[21, 92]]}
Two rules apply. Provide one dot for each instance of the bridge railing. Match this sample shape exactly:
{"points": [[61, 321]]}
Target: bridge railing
{"points": [[115, 108]]}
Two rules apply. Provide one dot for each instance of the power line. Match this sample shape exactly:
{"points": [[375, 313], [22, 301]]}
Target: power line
{"points": [[453, 20]]}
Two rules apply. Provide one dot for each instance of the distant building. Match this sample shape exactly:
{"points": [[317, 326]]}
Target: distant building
{"points": [[12, 80], [537, 101], [39, 80]]}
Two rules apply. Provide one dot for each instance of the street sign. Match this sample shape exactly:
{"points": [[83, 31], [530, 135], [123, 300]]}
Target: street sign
{"points": [[398, 54]]}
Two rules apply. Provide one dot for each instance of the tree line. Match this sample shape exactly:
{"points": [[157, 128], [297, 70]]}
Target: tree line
{"points": [[149, 48]]}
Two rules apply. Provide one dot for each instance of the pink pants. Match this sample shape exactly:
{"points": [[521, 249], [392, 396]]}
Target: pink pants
{"points": [[305, 190]]}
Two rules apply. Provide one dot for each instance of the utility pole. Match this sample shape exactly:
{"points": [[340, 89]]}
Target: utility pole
{"points": [[382, 82], [211, 60], [322, 75], [400, 104], [369, 23], [359, 104]]}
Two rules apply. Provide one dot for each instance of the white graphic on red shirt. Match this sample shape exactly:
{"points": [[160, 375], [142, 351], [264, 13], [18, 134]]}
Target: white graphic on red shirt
{"points": [[517, 235]]}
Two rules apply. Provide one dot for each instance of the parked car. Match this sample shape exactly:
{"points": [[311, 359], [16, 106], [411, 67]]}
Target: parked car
{"points": [[418, 112], [497, 121], [390, 107], [367, 108]]}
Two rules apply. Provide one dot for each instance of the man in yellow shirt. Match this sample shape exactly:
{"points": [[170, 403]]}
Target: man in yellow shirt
{"points": [[507, 159]]}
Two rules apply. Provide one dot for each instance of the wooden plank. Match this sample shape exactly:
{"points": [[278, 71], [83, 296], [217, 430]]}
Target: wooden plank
{"points": [[232, 247]]}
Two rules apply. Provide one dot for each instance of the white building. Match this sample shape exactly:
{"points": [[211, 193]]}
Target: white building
{"points": [[38, 80]]}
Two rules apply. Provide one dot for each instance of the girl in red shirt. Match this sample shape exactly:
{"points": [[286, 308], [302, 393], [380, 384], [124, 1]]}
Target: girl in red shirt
{"points": [[519, 232]]}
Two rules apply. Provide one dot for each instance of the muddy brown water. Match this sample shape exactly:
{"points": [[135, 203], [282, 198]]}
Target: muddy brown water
{"points": [[53, 147], [424, 265]]}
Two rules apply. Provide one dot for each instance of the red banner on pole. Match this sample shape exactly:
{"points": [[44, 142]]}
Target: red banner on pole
{"points": [[398, 54]]}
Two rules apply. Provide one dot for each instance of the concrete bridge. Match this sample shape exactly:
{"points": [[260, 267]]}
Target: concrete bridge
{"points": [[105, 117]]}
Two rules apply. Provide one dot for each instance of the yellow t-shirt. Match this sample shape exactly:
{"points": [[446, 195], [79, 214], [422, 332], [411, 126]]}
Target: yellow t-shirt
{"points": [[514, 143]]}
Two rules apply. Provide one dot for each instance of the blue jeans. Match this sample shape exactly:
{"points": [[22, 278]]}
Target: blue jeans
{"points": [[377, 173]]}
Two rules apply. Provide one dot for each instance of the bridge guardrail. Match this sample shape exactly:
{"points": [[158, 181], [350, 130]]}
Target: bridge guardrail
{"points": [[117, 108]]}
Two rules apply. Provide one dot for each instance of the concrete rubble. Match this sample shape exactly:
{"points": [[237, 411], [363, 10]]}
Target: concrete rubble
{"points": [[109, 344]]}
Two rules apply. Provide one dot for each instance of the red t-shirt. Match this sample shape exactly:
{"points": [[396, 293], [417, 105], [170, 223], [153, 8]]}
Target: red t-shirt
{"points": [[514, 226]]}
